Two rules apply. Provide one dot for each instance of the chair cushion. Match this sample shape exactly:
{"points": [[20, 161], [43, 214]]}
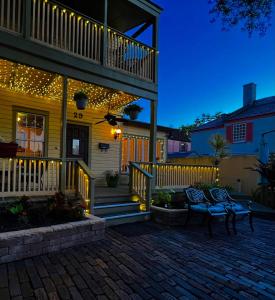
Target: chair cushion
{"points": [[237, 208], [205, 208], [196, 196], [220, 194]]}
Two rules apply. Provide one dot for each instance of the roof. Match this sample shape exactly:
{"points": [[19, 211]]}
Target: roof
{"points": [[172, 133], [259, 108]]}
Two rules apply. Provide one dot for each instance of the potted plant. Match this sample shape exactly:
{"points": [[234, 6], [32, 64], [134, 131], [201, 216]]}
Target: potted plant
{"points": [[81, 100], [7, 150], [132, 110], [112, 179]]}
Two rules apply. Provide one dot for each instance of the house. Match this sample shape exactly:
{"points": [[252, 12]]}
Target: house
{"points": [[67, 69], [243, 129], [50, 51], [178, 142]]}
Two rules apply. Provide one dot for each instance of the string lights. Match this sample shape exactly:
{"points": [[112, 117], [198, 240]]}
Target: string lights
{"points": [[31, 81]]}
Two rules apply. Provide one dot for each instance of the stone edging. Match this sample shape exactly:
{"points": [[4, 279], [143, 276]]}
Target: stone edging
{"points": [[21, 244]]}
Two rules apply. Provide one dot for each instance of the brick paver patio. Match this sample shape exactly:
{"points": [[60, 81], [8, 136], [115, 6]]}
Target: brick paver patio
{"points": [[147, 261]]}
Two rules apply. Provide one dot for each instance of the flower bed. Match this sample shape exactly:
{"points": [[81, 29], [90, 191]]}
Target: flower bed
{"points": [[35, 241], [31, 228], [168, 216]]}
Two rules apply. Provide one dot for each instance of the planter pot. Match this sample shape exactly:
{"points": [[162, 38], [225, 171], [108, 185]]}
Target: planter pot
{"points": [[81, 103], [8, 150], [133, 114], [167, 216], [112, 181]]}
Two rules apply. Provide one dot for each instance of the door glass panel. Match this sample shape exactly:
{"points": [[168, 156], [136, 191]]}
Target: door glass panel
{"points": [[75, 147]]}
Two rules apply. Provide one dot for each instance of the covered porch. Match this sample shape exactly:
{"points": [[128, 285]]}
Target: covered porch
{"points": [[59, 146]]}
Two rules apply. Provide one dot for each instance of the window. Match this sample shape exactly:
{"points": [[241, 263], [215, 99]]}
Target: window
{"points": [[30, 134], [135, 148], [239, 132]]}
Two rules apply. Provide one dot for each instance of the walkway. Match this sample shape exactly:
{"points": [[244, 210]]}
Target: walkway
{"points": [[147, 261]]}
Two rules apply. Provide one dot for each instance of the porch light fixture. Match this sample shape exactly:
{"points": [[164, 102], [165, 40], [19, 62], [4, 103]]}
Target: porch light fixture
{"points": [[116, 132]]}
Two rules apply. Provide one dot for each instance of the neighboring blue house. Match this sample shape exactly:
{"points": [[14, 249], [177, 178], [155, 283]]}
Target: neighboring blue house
{"points": [[242, 128]]}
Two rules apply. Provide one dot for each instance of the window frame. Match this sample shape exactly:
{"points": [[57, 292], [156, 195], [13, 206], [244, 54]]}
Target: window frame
{"points": [[27, 110], [237, 141], [145, 138]]}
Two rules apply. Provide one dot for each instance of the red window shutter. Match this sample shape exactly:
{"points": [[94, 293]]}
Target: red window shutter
{"points": [[229, 134], [249, 132]]}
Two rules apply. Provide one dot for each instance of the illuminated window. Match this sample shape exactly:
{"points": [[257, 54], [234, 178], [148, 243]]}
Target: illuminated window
{"points": [[239, 132], [137, 149], [30, 134]]}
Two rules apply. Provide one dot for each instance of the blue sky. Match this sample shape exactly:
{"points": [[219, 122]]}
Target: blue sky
{"points": [[202, 69]]}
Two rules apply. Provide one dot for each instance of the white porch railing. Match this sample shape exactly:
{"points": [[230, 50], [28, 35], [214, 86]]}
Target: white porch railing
{"points": [[129, 56], [141, 184], [86, 185], [11, 15], [29, 176], [61, 27], [41, 177], [177, 176]]}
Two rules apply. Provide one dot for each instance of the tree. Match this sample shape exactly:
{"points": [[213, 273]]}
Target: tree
{"points": [[203, 119], [252, 15], [219, 145]]}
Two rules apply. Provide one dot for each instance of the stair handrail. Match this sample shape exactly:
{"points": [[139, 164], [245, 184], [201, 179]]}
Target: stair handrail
{"points": [[136, 184], [86, 191]]}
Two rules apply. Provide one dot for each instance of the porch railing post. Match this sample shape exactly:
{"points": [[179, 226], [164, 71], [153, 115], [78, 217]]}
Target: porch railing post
{"points": [[64, 136], [153, 139], [155, 45], [26, 20], [130, 178], [92, 195], [104, 53], [148, 193]]}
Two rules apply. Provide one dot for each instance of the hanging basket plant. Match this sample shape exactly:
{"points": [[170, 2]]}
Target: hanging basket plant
{"points": [[81, 100], [132, 110]]}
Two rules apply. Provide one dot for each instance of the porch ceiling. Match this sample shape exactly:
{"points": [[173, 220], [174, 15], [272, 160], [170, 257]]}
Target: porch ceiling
{"points": [[31, 81]]}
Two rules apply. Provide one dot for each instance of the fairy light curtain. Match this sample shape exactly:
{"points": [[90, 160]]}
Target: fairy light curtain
{"points": [[31, 81]]}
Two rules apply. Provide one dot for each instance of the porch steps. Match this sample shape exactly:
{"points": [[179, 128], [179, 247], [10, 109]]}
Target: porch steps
{"points": [[118, 219], [119, 209], [112, 208]]}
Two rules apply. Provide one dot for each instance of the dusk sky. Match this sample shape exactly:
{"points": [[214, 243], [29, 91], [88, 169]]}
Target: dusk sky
{"points": [[203, 69]]}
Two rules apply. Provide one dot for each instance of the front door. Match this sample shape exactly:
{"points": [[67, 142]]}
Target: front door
{"points": [[78, 141]]}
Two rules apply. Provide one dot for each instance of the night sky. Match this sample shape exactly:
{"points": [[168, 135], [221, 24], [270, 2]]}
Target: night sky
{"points": [[202, 69]]}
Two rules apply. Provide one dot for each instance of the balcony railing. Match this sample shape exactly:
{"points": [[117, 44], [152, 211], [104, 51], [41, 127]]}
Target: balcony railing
{"points": [[61, 27]]}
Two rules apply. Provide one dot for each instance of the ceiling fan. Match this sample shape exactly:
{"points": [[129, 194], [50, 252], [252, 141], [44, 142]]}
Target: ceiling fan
{"points": [[111, 119]]}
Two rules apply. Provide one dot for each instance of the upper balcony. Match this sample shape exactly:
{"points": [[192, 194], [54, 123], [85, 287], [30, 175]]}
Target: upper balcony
{"points": [[75, 30]]}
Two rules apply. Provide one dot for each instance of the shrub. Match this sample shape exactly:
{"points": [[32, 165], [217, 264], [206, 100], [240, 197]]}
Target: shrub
{"points": [[163, 199]]}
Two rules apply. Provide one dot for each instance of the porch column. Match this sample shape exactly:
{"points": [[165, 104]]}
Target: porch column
{"points": [[153, 141], [156, 45], [63, 140], [153, 132], [105, 34], [27, 18]]}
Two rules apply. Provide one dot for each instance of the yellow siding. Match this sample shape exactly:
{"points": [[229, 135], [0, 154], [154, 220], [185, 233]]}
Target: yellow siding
{"points": [[99, 161]]}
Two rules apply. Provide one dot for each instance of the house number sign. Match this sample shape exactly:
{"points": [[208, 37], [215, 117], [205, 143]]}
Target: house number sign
{"points": [[78, 115]]}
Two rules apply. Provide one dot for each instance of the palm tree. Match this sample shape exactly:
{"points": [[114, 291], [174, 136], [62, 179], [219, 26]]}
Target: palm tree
{"points": [[219, 146]]}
